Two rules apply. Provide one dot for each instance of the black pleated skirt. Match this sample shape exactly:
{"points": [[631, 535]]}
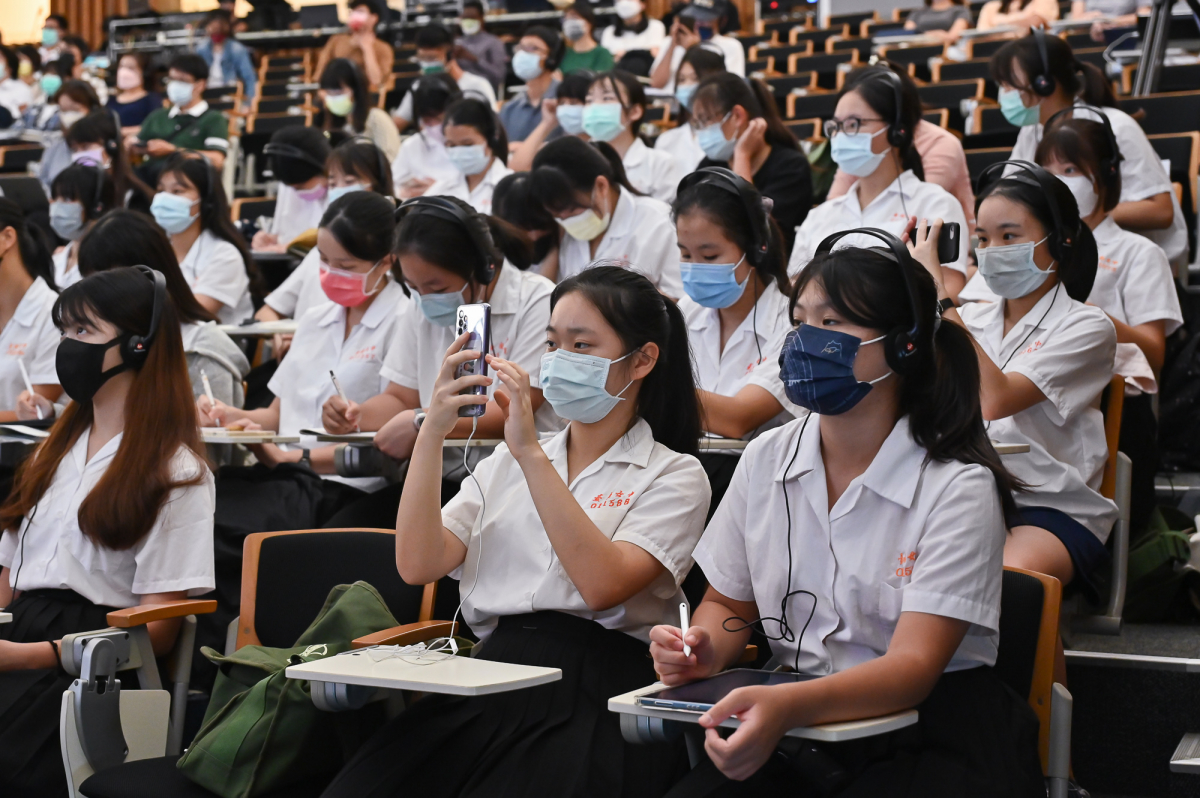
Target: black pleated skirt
{"points": [[557, 739], [30, 755]]}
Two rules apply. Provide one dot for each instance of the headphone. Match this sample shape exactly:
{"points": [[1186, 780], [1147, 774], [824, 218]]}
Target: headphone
{"points": [[1109, 167], [556, 54], [98, 197], [898, 134], [485, 268], [292, 151], [136, 347], [751, 199], [1043, 84], [1061, 239], [207, 202], [381, 159], [900, 346]]}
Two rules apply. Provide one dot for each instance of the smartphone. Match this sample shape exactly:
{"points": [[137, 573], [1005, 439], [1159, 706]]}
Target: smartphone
{"points": [[948, 241], [476, 320]]}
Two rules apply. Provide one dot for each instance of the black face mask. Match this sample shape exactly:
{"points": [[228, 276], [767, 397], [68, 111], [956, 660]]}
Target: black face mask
{"points": [[80, 367]]}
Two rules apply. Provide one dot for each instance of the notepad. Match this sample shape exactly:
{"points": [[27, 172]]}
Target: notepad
{"points": [[21, 429]]}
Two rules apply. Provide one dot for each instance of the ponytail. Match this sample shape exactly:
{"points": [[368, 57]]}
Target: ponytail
{"points": [[1096, 88], [719, 94], [32, 242]]}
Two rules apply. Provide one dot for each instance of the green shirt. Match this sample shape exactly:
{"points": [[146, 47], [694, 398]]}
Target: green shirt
{"points": [[596, 59], [198, 128]]}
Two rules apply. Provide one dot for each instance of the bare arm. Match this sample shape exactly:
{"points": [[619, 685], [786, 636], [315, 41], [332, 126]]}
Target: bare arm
{"points": [[1150, 337], [1152, 213], [713, 647], [738, 415], [211, 305]]}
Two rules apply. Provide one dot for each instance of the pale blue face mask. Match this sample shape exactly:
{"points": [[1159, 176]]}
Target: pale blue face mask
{"points": [[574, 385], [684, 94], [713, 285], [853, 155], [1010, 271], [1015, 110], [337, 192], [570, 119], [527, 65], [441, 310], [712, 140], [172, 212], [66, 219], [470, 160], [602, 121]]}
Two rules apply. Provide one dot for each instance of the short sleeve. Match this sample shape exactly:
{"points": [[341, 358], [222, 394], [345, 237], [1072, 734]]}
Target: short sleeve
{"points": [[283, 299], [292, 371], [405, 109], [528, 342], [667, 519], [1074, 364], [721, 552], [806, 243], [1142, 173], [216, 132], [400, 363], [8, 547], [42, 368], [658, 257], [766, 376], [178, 552], [1148, 290], [460, 513], [223, 277]]}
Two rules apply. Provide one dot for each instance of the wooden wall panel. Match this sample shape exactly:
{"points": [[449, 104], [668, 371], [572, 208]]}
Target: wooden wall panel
{"points": [[86, 17]]}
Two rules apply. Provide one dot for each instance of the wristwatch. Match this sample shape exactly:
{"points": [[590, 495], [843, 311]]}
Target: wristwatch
{"points": [[944, 305], [418, 419]]}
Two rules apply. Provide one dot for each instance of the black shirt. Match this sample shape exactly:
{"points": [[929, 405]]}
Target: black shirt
{"points": [[787, 180]]}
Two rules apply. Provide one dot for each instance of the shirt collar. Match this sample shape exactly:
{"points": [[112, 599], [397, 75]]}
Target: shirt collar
{"points": [[106, 453], [771, 313], [196, 110], [635, 154], [31, 303], [623, 216], [634, 447], [906, 184], [1044, 314], [1107, 230]]}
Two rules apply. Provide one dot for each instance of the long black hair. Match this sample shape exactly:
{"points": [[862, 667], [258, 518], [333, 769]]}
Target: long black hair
{"points": [[721, 92], [704, 62], [569, 166], [1078, 79], [100, 127], [342, 73], [513, 201], [33, 244], [433, 94], [1084, 143], [363, 222], [87, 185], [477, 114], [639, 314], [362, 158], [878, 91], [940, 395]]}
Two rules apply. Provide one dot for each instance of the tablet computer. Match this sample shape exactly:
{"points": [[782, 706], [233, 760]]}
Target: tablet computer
{"points": [[702, 695]]}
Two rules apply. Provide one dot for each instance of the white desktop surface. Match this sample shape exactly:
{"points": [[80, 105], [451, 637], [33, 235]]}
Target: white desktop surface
{"points": [[5, 617], [453, 675], [221, 435], [1010, 448], [261, 329]]}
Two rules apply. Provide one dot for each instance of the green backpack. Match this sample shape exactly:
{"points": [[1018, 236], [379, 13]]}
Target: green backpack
{"points": [[261, 732], [1157, 571]]}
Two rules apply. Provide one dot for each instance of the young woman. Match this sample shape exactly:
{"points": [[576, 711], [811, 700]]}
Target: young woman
{"points": [[478, 148], [78, 197], [615, 106], [680, 141], [735, 277], [423, 159], [297, 159], [132, 102], [514, 202], [583, 52], [1020, 13], [344, 94], [594, 527], [1147, 205], [70, 103], [868, 143], [96, 140], [584, 187], [104, 515], [562, 114], [190, 206], [633, 30], [888, 468], [943, 20], [738, 125]]}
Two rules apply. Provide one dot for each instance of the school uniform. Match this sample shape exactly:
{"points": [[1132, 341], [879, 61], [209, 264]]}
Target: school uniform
{"points": [[641, 234], [653, 172], [910, 534], [907, 196], [301, 290], [730, 47], [69, 584], [480, 197], [295, 216], [1066, 348], [651, 38], [558, 739], [421, 156], [65, 273], [30, 336], [214, 267], [683, 146]]}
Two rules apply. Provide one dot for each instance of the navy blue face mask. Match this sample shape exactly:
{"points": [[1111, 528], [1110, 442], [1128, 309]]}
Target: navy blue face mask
{"points": [[817, 369]]}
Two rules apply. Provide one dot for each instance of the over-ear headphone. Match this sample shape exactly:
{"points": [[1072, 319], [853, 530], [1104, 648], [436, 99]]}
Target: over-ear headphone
{"points": [[898, 134], [208, 200], [292, 151], [751, 199], [136, 347], [1043, 84], [900, 346], [556, 54], [1061, 239], [98, 196], [475, 224], [1110, 166]]}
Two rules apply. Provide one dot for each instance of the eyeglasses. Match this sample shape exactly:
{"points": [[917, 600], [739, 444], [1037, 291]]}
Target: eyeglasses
{"points": [[848, 126], [700, 124]]}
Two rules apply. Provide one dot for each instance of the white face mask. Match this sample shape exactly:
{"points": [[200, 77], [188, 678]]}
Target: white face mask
{"points": [[1084, 191]]}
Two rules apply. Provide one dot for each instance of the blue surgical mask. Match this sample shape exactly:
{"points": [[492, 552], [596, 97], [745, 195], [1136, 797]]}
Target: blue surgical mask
{"points": [[1009, 271], [817, 369], [602, 121], [575, 385], [337, 192], [66, 218], [471, 159], [570, 119], [712, 140], [527, 65], [1015, 110], [179, 92], [441, 310], [713, 284], [852, 153], [684, 94], [172, 212]]}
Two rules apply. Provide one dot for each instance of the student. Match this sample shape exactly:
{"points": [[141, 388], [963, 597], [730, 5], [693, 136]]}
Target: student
{"points": [[1109, 14], [190, 206], [737, 125], [435, 54], [361, 45], [478, 148], [536, 57], [78, 197], [584, 187], [71, 102], [892, 465], [54, 31], [696, 24], [84, 67], [942, 20], [29, 72], [15, 94], [562, 116], [422, 159], [871, 138], [1148, 205], [515, 203], [634, 30], [734, 271], [600, 571], [132, 102], [298, 157], [583, 51], [189, 124], [680, 141], [96, 140], [481, 52], [344, 95], [615, 106], [228, 59], [105, 515], [1024, 14]]}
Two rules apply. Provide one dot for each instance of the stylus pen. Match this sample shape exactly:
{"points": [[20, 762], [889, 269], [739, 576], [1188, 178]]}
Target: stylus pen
{"points": [[207, 388], [683, 627], [29, 387]]}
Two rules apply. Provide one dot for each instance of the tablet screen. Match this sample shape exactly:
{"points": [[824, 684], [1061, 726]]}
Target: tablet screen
{"points": [[700, 695]]}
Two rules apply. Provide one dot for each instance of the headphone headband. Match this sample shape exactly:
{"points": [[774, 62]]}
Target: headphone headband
{"points": [[443, 208], [751, 199], [137, 347], [381, 159], [1110, 165], [1044, 180], [1043, 84], [292, 151]]}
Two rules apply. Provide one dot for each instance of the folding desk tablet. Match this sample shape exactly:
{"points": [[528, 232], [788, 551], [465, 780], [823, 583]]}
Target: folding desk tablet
{"points": [[260, 329], [248, 437]]}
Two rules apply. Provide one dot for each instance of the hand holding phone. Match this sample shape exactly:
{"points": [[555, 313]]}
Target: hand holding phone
{"points": [[948, 242]]}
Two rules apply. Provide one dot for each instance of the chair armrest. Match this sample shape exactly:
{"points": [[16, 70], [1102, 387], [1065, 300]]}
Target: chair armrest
{"points": [[407, 634], [146, 613], [749, 654]]}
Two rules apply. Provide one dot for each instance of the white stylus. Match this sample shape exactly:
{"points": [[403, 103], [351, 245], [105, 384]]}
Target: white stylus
{"points": [[207, 388], [683, 627], [29, 387], [337, 386]]}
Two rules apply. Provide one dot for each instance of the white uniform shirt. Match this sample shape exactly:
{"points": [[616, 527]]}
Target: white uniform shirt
{"points": [[479, 198], [215, 268], [639, 492], [641, 234], [469, 84], [61, 260], [735, 58], [420, 156], [16, 96], [177, 554], [301, 290], [652, 171], [906, 196], [649, 39], [1134, 282], [1066, 348], [293, 215], [909, 534], [32, 337], [681, 142]]}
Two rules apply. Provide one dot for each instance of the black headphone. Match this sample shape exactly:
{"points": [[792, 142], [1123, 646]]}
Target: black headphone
{"points": [[207, 202], [1110, 166], [556, 54], [1061, 239], [292, 151], [384, 167], [136, 347], [475, 224], [1043, 84], [751, 199], [900, 346], [98, 197], [898, 134]]}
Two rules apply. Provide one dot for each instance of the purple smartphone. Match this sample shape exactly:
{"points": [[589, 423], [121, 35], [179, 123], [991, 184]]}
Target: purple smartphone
{"points": [[476, 320]]}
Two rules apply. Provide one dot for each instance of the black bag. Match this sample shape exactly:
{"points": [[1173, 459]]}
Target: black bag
{"points": [[1179, 392]]}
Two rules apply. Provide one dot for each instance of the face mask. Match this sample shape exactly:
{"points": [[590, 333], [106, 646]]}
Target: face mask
{"points": [[712, 140], [341, 191], [853, 154], [68, 118], [80, 367], [585, 226], [817, 369], [128, 78], [217, 38], [526, 65], [574, 29], [25, 69], [179, 92], [314, 194], [358, 19], [574, 385], [434, 133], [349, 289], [173, 213], [51, 84], [1014, 108], [90, 157], [570, 119], [49, 37], [627, 9], [470, 160], [1009, 271], [602, 121], [713, 284], [431, 67], [684, 94], [470, 26], [339, 104], [66, 218], [441, 309], [1085, 193], [3, 71]]}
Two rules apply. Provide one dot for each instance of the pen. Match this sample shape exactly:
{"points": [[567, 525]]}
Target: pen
{"points": [[29, 387], [337, 386], [683, 627], [207, 388]]}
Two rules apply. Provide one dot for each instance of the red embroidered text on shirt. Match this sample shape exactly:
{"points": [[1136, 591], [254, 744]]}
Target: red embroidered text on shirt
{"points": [[17, 350], [909, 558], [366, 353], [614, 498], [1035, 346], [1109, 264]]}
